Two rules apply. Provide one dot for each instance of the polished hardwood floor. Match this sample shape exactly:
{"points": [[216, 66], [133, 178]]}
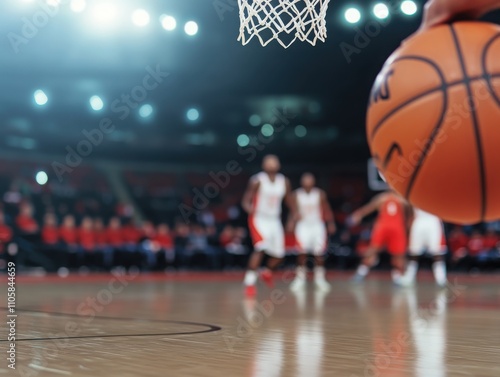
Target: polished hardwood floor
{"points": [[201, 325]]}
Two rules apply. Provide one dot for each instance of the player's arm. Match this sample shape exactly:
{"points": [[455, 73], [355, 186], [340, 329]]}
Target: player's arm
{"points": [[291, 201], [293, 216], [442, 11], [328, 213], [409, 215], [372, 206], [249, 196]]}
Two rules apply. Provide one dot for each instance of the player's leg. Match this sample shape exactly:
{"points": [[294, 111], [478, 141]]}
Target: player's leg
{"points": [[417, 243], [437, 248], [319, 250], [258, 233], [370, 258], [397, 245], [302, 237]]}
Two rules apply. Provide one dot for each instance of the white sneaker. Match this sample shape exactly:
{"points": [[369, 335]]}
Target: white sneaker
{"points": [[297, 284], [322, 285]]}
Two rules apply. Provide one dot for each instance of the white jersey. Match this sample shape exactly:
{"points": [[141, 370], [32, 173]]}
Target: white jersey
{"points": [[309, 205], [425, 216], [267, 202]]}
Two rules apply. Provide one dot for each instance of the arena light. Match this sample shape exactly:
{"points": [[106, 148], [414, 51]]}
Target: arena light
{"points": [[409, 7], [352, 15], [41, 178], [78, 6], [243, 140], [267, 130], [300, 131], [169, 23], [104, 15], [255, 120], [54, 3], [191, 28], [96, 103], [381, 11], [41, 98], [145, 111], [140, 18], [193, 114]]}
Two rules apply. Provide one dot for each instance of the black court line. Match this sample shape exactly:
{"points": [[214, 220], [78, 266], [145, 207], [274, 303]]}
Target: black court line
{"points": [[209, 328]]}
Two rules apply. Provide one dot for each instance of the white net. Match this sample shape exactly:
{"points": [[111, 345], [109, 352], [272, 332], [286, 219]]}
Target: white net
{"points": [[283, 20]]}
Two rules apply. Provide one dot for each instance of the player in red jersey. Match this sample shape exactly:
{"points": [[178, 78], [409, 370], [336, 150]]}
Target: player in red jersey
{"points": [[390, 232]]}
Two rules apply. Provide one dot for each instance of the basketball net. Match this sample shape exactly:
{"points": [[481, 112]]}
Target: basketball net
{"points": [[283, 20]]}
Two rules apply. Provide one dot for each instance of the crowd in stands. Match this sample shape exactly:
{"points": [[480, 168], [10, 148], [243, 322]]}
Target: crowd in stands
{"points": [[80, 223]]}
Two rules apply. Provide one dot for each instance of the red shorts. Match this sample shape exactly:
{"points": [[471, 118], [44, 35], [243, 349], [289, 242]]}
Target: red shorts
{"points": [[391, 237]]}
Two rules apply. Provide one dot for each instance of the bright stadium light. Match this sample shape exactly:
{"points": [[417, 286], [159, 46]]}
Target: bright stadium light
{"points": [[352, 15], [140, 17], [193, 114], [300, 131], [78, 6], [145, 111], [104, 14], [409, 7], [168, 22], [54, 3], [41, 178], [381, 11], [255, 120], [267, 130], [191, 28], [41, 98], [243, 140], [96, 103]]}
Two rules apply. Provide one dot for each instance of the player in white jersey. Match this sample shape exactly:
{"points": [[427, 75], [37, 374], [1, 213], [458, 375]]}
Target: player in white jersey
{"points": [[426, 234], [313, 211], [262, 201]]}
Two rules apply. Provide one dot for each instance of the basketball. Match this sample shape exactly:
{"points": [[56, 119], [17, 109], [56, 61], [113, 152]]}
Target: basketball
{"points": [[433, 121]]}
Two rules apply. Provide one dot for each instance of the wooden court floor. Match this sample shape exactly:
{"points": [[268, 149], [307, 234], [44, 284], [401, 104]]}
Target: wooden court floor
{"points": [[200, 325]]}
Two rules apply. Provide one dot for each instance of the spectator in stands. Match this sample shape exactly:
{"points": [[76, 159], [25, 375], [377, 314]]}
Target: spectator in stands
{"points": [[114, 233], [50, 231], [476, 244], [490, 250], [5, 234], [25, 222], [148, 230], [131, 236], [101, 241], [458, 242], [68, 233], [197, 243], [180, 242], [233, 242], [86, 235], [165, 243]]}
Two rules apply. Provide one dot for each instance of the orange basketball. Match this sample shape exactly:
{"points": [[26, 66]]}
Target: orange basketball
{"points": [[433, 122]]}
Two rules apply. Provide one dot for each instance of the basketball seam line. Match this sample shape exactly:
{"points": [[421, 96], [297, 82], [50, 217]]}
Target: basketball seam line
{"points": [[443, 87], [475, 121], [488, 77]]}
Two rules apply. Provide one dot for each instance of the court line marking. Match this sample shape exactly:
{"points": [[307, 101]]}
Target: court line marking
{"points": [[43, 369], [210, 328]]}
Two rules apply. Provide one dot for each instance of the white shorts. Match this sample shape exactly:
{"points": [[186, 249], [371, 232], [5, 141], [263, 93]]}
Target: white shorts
{"points": [[267, 235], [311, 237], [426, 235]]}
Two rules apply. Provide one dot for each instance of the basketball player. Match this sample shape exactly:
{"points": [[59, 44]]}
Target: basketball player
{"points": [[310, 232], [441, 11], [426, 235], [262, 201], [389, 232]]}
